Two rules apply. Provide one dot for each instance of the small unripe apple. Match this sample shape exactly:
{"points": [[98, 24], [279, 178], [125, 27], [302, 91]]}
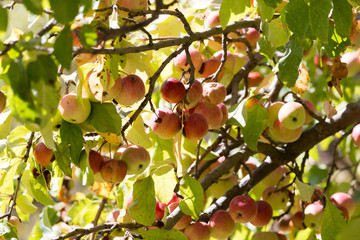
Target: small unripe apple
{"points": [[254, 78], [212, 20], [183, 222], [308, 117], [136, 158], [113, 171], [180, 63], [279, 177], [297, 221], [314, 215], [197, 231], [132, 90], [72, 110], [292, 115], [172, 90], [280, 133], [209, 67], [195, 127], [278, 199], [225, 113], [212, 113], [2, 101], [194, 94], [345, 200], [243, 209], [165, 123], [221, 225], [43, 155], [355, 134], [214, 92], [264, 214], [230, 60]]}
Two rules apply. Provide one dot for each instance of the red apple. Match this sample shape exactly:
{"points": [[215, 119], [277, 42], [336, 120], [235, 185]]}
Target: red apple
{"points": [[136, 158], [297, 220], [264, 214], [209, 67], [194, 94], [212, 20], [252, 35], [195, 127], [345, 200], [159, 210], [197, 231], [132, 90], [243, 209], [212, 113], [180, 63], [225, 113], [95, 161], [172, 90], [314, 215], [280, 133], [355, 134], [43, 155], [254, 78], [165, 123], [113, 171], [112, 217], [221, 225], [214, 92]]}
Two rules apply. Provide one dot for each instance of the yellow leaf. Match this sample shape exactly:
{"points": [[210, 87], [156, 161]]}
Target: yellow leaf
{"points": [[103, 189], [302, 82], [329, 109], [112, 138], [137, 135], [177, 153]]}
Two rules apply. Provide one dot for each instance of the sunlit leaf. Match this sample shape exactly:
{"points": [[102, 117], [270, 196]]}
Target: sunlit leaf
{"points": [[71, 137], [3, 19], [63, 47], [24, 204], [65, 10], [333, 222], [162, 234], [297, 17], [232, 10], [304, 191], [165, 181], [193, 194], [319, 15], [33, 6], [137, 135], [104, 118]]}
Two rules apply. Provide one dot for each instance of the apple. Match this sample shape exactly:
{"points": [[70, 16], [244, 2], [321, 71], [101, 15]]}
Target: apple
{"points": [[241, 60], [132, 90], [172, 90], [325, 60], [42, 154], [195, 127], [292, 115], [318, 192], [345, 200], [284, 222], [132, 5], [212, 20], [197, 231], [280, 133], [212, 113], [273, 179], [180, 61], [174, 198], [165, 123], [314, 215], [268, 236], [273, 111], [95, 161], [251, 165], [221, 225], [219, 188], [308, 117], [98, 83], [254, 78], [194, 94], [2, 101], [243, 209], [209, 67], [159, 210], [113, 171], [230, 60], [214, 92], [136, 158], [112, 217], [184, 221], [118, 153], [72, 110], [297, 220], [225, 113], [251, 102], [278, 199], [252, 35], [355, 135], [264, 214]]}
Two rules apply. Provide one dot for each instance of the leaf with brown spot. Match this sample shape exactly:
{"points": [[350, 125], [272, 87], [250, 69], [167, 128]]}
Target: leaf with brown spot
{"points": [[302, 83]]}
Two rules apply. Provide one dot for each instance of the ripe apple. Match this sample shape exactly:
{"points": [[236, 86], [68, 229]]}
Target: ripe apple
{"points": [[214, 92], [243, 209], [325, 60], [197, 231], [209, 67], [314, 215], [172, 90], [159, 210], [280, 133], [132, 5], [345, 200], [194, 94], [2, 101], [284, 222], [180, 61], [254, 78], [273, 111], [251, 165], [132, 90], [225, 113], [355, 134], [221, 225], [43, 155], [230, 60], [308, 117], [212, 113], [136, 158], [95, 161], [292, 115], [212, 20], [219, 188], [252, 35], [118, 153], [195, 127], [72, 110], [165, 123], [278, 199], [264, 214], [113, 171], [183, 222], [98, 83], [297, 221]]}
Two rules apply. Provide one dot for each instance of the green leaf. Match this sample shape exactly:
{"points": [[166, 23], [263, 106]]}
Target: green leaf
{"points": [[65, 11], [232, 10], [319, 15], [7, 181], [163, 148], [266, 47], [354, 3], [255, 125], [289, 63], [272, 3], [7, 231], [63, 47], [104, 118], [162, 234], [71, 137], [3, 19], [165, 181], [276, 33], [39, 190], [336, 44], [297, 17], [5, 124], [87, 175], [143, 208], [121, 194], [62, 156], [343, 16], [237, 114], [47, 219], [304, 191], [88, 36], [33, 6], [333, 222], [83, 212], [193, 194], [306, 234], [266, 10], [350, 231], [24, 204]]}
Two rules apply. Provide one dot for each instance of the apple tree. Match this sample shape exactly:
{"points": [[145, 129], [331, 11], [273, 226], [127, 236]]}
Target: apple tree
{"points": [[234, 119]]}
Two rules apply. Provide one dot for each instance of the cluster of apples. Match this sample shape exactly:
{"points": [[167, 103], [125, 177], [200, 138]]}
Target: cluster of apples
{"points": [[202, 106]]}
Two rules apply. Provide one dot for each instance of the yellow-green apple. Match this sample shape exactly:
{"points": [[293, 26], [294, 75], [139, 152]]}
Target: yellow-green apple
{"points": [[355, 135], [225, 113], [180, 61], [308, 117], [72, 110], [277, 198], [99, 86], [209, 67], [252, 35], [254, 78], [132, 90], [264, 214], [172, 90], [194, 94], [230, 60], [241, 59], [219, 188], [314, 215], [214, 92], [113, 171], [42, 154], [280, 133], [165, 123], [118, 153], [292, 115], [345, 200], [273, 111], [2, 101], [243, 209], [211, 112], [197, 231], [195, 127], [280, 177], [221, 225], [184, 221], [136, 158]]}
